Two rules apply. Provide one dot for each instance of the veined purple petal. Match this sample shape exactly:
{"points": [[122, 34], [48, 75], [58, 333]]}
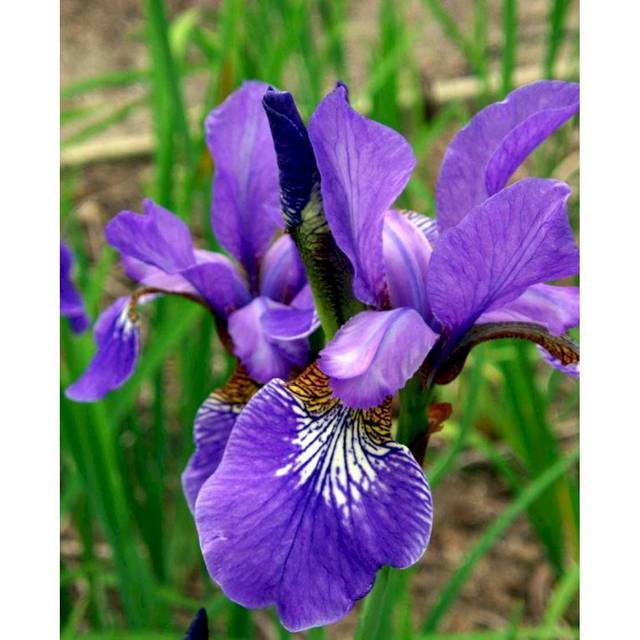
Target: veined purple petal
{"points": [[374, 354], [572, 370], [71, 304], [245, 211], [158, 237], [282, 272], [406, 258], [213, 424], [556, 308], [517, 238], [118, 343], [327, 499], [296, 161], [264, 358], [483, 156], [363, 168]]}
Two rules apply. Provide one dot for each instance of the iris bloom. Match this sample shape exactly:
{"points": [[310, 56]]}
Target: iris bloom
{"points": [[199, 627], [313, 496], [71, 304], [264, 276]]}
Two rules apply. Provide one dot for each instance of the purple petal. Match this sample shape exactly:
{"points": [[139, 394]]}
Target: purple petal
{"points": [[363, 168], [515, 239], [556, 308], [374, 354], [245, 210], [293, 322], [282, 272], [213, 424], [118, 342], [572, 370], [151, 276], [71, 304], [309, 501], [158, 237], [483, 156], [218, 281], [264, 358], [427, 226], [289, 323], [406, 259]]}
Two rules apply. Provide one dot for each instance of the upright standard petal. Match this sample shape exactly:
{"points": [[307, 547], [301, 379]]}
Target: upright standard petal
{"points": [[309, 501], [296, 161], [364, 166], [282, 272], [71, 304], [117, 338], [556, 308], [245, 210], [157, 237], [406, 259], [265, 358], [483, 156], [518, 238], [374, 354], [213, 424]]}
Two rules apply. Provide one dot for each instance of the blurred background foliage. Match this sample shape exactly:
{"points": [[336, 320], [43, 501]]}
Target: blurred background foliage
{"points": [[138, 78]]}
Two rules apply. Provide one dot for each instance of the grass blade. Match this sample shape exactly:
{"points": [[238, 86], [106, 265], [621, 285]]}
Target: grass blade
{"points": [[530, 493]]}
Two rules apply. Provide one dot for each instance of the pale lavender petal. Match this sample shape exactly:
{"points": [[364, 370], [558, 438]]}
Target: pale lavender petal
{"points": [[309, 501], [374, 354], [71, 303], [157, 237], [282, 272], [213, 424], [363, 168], [406, 258], [518, 238], [264, 358], [118, 341], [245, 210], [572, 370], [483, 156], [556, 308]]}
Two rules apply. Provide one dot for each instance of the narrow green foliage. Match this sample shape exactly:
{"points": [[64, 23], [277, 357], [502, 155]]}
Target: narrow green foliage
{"points": [[555, 34], [530, 493], [509, 43]]}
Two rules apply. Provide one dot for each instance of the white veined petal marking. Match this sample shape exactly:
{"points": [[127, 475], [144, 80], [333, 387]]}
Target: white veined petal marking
{"points": [[338, 449]]}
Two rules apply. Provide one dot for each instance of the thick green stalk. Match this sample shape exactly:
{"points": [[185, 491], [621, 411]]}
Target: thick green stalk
{"points": [[328, 270]]}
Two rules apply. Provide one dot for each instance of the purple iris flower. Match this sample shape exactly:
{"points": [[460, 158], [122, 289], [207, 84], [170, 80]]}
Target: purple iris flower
{"points": [[199, 627], [313, 496], [263, 277], [71, 304]]}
